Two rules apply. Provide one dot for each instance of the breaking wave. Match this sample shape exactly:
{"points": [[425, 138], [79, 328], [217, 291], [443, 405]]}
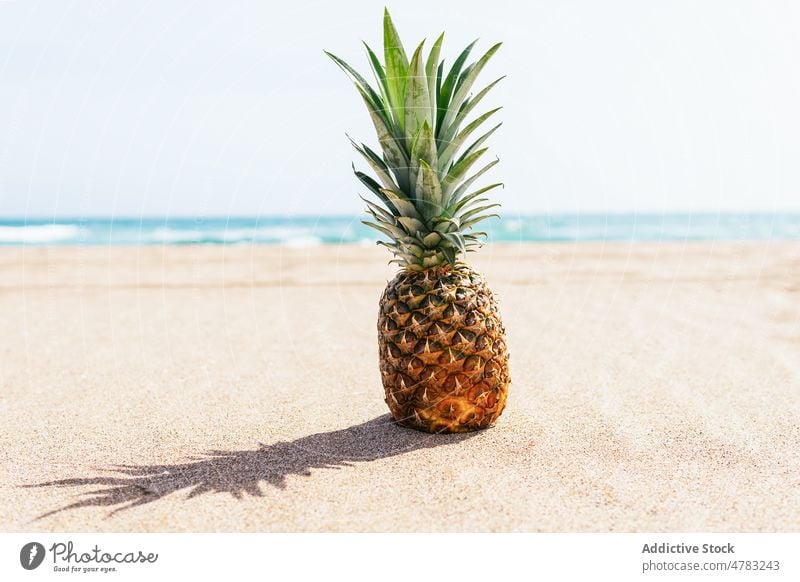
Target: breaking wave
{"points": [[302, 232]]}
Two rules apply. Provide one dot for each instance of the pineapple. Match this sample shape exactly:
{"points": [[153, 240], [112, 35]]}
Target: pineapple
{"points": [[442, 349]]}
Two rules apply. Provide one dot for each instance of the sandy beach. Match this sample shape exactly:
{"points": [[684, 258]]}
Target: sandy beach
{"points": [[656, 387]]}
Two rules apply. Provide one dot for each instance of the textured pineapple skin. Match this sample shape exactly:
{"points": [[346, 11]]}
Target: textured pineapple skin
{"points": [[442, 348]]}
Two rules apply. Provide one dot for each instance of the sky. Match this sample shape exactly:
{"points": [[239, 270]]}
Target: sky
{"points": [[154, 108]]}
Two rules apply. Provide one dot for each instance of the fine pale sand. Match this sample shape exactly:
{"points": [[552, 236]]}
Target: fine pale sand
{"points": [[656, 387]]}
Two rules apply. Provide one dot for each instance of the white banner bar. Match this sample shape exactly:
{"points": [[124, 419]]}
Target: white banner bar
{"points": [[380, 557]]}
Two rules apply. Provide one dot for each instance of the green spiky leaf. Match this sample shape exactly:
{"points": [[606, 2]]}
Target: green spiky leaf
{"points": [[374, 101], [430, 188], [380, 76], [396, 69], [448, 85], [469, 181], [457, 172], [423, 149], [431, 66], [471, 198], [466, 108], [417, 100], [466, 84], [451, 148]]}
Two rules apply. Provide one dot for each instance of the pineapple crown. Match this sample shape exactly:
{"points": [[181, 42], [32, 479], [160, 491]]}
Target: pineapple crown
{"points": [[428, 211]]}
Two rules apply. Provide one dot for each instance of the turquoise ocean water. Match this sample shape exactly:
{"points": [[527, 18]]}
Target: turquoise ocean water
{"points": [[311, 231]]}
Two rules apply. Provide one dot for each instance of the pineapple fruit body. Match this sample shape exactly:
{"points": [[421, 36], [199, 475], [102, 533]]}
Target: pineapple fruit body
{"points": [[443, 356]]}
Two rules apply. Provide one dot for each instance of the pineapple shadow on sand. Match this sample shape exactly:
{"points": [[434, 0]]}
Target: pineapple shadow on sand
{"points": [[240, 473]]}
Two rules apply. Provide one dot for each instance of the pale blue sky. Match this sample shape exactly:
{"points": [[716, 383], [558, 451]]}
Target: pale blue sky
{"points": [[217, 108]]}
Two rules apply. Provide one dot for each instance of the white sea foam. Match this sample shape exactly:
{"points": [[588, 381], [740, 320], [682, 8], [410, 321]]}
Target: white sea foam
{"points": [[279, 233], [302, 242], [269, 234], [295, 237], [234, 235], [172, 235], [39, 233], [307, 232]]}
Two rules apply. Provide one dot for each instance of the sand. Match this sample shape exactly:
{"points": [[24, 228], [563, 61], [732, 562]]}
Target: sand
{"points": [[656, 387]]}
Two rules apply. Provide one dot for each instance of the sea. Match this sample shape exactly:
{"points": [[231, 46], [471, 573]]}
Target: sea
{"points": [[308, 231]]}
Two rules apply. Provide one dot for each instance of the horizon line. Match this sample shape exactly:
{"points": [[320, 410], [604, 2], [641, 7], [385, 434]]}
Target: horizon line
{"points": [[201, 217]]}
